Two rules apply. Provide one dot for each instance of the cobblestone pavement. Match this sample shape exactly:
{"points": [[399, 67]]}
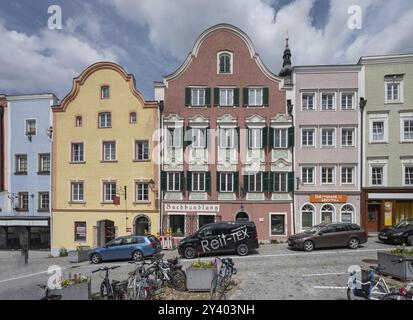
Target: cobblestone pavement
{"points": [[273, 272]]}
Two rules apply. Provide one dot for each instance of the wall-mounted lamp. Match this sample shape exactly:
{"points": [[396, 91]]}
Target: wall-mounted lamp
{"points": [[290, 107], [29, 136], [151, 184], [49, 132], [363, 103], [161, 106]]}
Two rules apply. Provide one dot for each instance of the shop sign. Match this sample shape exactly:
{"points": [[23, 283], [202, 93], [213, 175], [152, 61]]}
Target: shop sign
{"points": [[128, 230], [185, 207], [388, 214], [328, 198]]}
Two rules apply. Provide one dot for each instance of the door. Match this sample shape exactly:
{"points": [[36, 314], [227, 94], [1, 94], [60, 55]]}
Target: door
{"points": [[373, 218], [141, 226]]}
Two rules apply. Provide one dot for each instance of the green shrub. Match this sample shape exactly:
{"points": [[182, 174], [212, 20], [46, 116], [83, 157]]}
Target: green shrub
{"points": [[203, 264], [402, 251], [63, 252]]}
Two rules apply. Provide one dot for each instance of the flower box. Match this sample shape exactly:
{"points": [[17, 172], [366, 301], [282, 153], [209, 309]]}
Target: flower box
{"points": [[78, 292], [200, 278], [401, 270], [79, 256]]}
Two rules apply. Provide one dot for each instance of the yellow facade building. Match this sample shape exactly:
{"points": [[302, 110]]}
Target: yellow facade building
{"points": [[104, 171]]}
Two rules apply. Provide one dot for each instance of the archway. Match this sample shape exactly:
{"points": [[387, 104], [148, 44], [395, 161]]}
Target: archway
{"points": [[142, 225], [242, 216]]}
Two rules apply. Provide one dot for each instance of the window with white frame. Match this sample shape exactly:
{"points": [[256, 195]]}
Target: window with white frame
{"points": [[109, 151], [23, 201], [347, 175], [141, 191], [141, 150], [104, 92], [225, 63], [377, 131], [408, 175], [327, 101], [255, 97], [174, 137], [307, 215], [174, 181], [280, 138], [347, 101], [307, 137], [77, 191], [377, 175], [407, 129], [105, 120], [227, 182], [198, 138], [327, 212], [198, 181], [347, 213], [133, 118], [109, 191], [227, 138], [393, 91], [226, 97], [255, 182], [44, 163], [307, 101], [44, 200], [21, 164], [198, 97], [77, 152], [255, 140], [347, 137], [280, 182], [278, 224], [327, 137], [327, 175], [177, 225], [307, 175], [31, 127]]}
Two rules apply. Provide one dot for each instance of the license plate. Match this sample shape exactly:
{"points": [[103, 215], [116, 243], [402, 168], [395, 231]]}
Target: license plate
{"points": [[383, 237]]}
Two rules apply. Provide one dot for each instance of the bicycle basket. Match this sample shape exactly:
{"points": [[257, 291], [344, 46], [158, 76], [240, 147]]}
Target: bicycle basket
{"points": [[366, 277]]}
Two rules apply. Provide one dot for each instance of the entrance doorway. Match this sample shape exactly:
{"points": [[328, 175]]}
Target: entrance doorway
{"points": [[142, 226], [373, 218], [106, 232], [242, 216]]}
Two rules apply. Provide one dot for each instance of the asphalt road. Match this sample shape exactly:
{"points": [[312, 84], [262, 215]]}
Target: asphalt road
{"points": [[274, 272]]}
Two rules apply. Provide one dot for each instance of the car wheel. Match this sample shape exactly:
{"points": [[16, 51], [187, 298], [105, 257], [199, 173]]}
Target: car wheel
{"points": [[308, 246], [353, 243], [137, 255], [96, 258], [242, 250], [190, 253], [409, 241]]}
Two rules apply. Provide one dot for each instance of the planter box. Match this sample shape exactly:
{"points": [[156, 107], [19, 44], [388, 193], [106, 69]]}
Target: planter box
{"points": [[402, 270], [77, 292], [78, 256], [200, 279]]}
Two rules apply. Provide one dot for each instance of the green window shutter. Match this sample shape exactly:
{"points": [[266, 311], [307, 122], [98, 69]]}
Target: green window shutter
{"points": [[236, 182], [271, 182], [236, 97], [218, 182], [246, 184], [245, 97], [265, 181], [265, 98], [271, 138], [216, 97], [163, 181], [291, 181], [188, 96], [208, 182], [208, 97], [189, 181], [182, 174], [291, 137]]}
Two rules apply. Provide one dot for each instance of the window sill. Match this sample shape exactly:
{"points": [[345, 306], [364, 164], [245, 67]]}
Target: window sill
{"points": [[20, 173], [146, 160], [22, 210], [142, 202], [378, 142], [197, 107], [347, 109], [80, 162], [328, 110], [107, 203], [77, 202], [393, 102], [43, 210], [104, 127], [406, 142], [45, 173], [111, 161]]}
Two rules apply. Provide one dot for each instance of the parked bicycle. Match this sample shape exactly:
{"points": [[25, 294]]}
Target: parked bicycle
{"points": [[168, 272], [139, 284], [47, 296], [111, 290], [372, 286], [222, 280], [405, 293]]}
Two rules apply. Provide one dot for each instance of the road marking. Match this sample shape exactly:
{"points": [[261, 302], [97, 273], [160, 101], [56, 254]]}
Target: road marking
{"points": [[325, 274], [330, 287], [24, 276]]}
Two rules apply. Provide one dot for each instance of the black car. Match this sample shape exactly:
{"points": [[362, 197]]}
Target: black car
{"points": [[239, 237], [401, 233]]}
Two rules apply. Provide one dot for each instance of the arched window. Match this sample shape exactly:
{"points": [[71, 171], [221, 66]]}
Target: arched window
{"points": [[307, 214], [79, 121], [347, 213], [242, 216], [104, 92], [225, 63], [327, 212], [132, 117]]}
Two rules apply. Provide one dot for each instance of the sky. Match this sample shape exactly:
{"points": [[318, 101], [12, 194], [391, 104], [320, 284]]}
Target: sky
{"points": [[152, 38]]}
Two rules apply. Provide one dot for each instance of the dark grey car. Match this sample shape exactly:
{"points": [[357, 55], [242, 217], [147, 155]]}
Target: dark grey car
{"points": [[329, 236]]}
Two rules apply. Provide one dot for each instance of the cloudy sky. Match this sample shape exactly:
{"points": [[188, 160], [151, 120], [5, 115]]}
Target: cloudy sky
{"points": [[151, 38]]}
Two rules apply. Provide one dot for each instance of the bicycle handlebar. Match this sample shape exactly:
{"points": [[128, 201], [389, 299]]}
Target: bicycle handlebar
{"points": [[106, 269]]}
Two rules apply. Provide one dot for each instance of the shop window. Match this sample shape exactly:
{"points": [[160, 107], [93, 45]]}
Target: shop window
{"points": [[347, 213], [177, 225], [242, 216], [278, 224], [205, 219], [327, 212], [80, 231], [307, 214]]}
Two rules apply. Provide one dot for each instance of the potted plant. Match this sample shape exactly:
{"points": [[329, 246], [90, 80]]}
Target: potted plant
{"points": [[200, 275], [77, 287], [81, 254], [396, 263]]}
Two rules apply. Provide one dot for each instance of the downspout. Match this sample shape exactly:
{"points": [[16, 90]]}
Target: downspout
{"points": [[290, 108], [160, 166], [363, 104]]}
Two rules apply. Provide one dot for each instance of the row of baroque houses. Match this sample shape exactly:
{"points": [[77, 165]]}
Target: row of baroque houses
{"points": [[225, 139]]}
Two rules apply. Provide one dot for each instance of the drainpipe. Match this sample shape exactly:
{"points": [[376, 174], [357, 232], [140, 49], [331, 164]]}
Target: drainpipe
{"points": [[290, 108], [363, 104], [161, 107]]}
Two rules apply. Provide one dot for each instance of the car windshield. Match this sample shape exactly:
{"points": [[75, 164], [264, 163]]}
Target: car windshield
{"points": [[314, 229], [404, 224]]}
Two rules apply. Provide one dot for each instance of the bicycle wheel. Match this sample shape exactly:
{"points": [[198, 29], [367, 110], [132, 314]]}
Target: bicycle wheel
{"points": [[106, 291], [377, 292], [178, 280], [214, 285]]}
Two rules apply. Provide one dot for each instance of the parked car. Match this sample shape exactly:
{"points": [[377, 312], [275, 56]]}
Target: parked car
{"points": [[329, 236], [239, 237], [398, 234], [126, 248]]}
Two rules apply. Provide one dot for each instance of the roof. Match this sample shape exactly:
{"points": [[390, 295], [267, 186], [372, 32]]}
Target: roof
{"points": [[390, 58]]}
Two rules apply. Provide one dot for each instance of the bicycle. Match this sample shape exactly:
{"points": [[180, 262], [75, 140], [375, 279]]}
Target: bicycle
{"points": [[405, 293], [371, 288], [139, 286], [47, 296], [222, 279], [115, 290]]}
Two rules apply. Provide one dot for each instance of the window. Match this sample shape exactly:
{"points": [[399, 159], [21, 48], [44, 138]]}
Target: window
{"points": [[80, 231], [77, 152], [227, 138], [277, 224], [198, 97], [225, 63], [133, 118], [307, 101], [378, 131], [104, 92], [174, 181], [23, 204], [227, 182], [327, 137], [198, 138], [347, 101], [174, 137], [31, 127], [177, 225], [347, 212], [142, 192], [21, 164], [347, 175], [226, 97], [327, 101], [377, 176], [307, 213], [327, 175], [255, 97], [280, 182], [255, 140], [198, 181], [255, 182], [44, 200], [307, 136], [307, 175], [142, 150], [79, 121], [408, 175], [407, 127], [327, 212], [347, 137], [281, 138], [105, 120], [205, 219], [109, 151], [393, 92], [44, 163], [77, 192], [109, 191]]}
